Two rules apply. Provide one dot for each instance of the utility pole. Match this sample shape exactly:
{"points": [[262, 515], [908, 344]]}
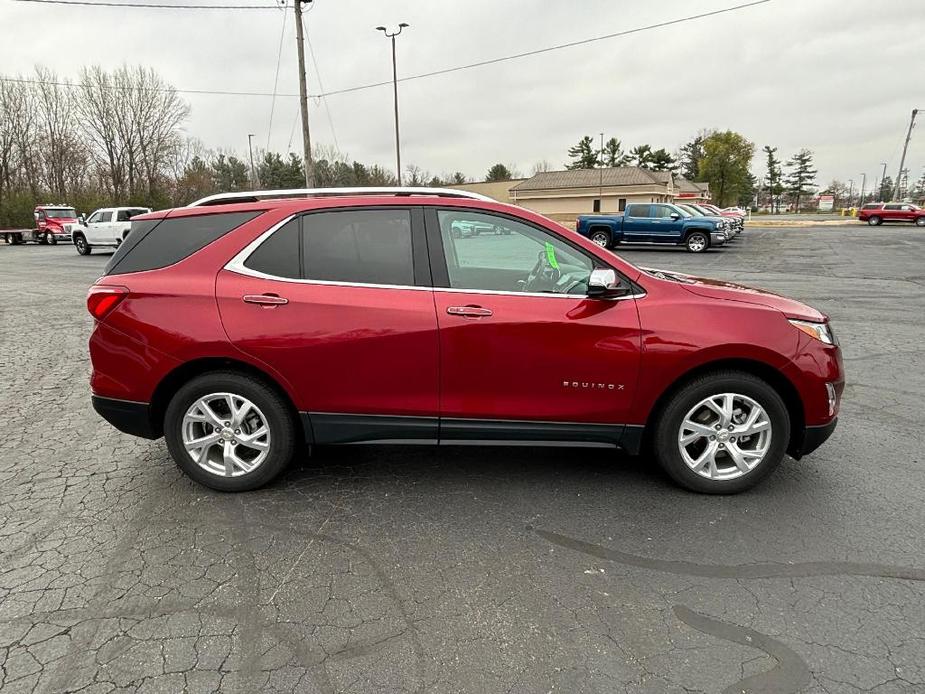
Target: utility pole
{"points": [[861, 195], [879, 186], [395, 96], [850, 190], [250, 148], [307, 163], [902, 161]]}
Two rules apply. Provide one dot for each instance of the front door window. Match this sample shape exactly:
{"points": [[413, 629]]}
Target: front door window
{"points": [[492, 253]]}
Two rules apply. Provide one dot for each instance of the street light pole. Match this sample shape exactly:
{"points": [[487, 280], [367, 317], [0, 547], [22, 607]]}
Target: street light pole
{"points": [[850, 190], [902, 161], [250, 148], [395, 96], [861, 195], [879, 186]]}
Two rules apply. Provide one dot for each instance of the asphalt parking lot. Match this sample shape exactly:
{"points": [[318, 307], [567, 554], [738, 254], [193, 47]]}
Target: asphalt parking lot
{"points": [[393, 569]]}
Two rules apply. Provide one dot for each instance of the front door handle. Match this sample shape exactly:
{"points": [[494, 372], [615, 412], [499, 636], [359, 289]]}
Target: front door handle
{"points": [[469, 311], [265, 299]]}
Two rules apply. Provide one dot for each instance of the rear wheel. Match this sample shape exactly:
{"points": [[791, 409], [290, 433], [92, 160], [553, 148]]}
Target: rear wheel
{"points": [[697, 242], [920, 221], [874, 220], [81, 244], [229, 431], [601, 238], [722, 433]]}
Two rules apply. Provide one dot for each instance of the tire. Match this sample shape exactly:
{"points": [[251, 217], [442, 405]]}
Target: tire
{"points": [[697, 242], [728, 478], [83, 248], [601, 238], [920, 221], [874, 221], [269, 409], [50, 239], [8, 239]]}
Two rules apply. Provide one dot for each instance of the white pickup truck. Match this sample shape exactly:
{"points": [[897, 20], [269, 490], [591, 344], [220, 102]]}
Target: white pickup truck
{"points": [[106, 227]]}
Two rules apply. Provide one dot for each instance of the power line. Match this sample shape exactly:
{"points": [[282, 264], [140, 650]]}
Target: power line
{"points": [[548, 49], [279, 57], [324, 100], [444, 71], [148, 5]]}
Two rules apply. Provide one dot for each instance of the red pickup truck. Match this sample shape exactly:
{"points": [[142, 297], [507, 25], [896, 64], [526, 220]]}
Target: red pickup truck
{"points": [[879, 212]]}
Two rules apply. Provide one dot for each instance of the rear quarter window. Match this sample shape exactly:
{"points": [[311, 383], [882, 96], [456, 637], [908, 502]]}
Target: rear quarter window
{"points": [[157, 243]]}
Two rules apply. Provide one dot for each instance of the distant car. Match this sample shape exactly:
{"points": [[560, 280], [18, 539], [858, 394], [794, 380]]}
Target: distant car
{"points": [[878, 212], [697, 211], [736, 220], [106, 227], [656, 223], [469, 228], [729, 212]]}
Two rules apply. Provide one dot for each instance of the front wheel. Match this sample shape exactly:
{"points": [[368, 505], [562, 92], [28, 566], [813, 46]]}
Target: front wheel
{"points": [[50, 239], [697, 242], [874, 221], [83, 248], [229, 431], [722, 433]]}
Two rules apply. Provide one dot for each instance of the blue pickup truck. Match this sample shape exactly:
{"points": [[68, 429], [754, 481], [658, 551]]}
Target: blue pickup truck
{"points": [[657, 222]]}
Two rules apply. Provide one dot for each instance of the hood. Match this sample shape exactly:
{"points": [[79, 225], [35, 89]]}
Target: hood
{"points": [[730, 291]]}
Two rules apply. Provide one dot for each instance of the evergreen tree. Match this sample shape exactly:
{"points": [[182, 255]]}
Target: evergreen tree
{"points": [[583, 155], [802, 176]]}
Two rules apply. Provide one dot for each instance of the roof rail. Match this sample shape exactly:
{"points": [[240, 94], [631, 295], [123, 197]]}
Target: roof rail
{"points": [[255, 195]]}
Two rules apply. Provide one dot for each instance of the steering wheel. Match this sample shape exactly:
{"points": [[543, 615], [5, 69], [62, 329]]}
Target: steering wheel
{"points": [[543, 276]]}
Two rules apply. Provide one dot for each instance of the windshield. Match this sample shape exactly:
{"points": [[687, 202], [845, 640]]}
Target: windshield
{"points": [[691, 212], [61, 213]]}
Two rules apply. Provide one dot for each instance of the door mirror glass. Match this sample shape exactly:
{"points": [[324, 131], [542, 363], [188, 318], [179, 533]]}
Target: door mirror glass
{"points": [[675, 216], [604, 283]]}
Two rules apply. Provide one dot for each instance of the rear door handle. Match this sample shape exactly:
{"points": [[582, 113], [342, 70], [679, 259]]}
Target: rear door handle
{"points": [[469, 311], [265, 299]]}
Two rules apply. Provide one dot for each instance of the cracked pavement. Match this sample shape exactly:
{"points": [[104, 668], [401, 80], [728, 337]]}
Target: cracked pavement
{"points": [[405, 569]]}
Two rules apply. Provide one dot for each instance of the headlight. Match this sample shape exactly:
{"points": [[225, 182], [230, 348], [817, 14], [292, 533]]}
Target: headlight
{"points": [[820, 331]]}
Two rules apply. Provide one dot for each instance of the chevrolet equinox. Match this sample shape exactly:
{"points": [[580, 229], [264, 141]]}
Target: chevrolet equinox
{"points": [[246, 324]]}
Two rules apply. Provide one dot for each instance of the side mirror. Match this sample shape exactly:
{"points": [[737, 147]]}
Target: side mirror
{"points": [[604, 284], [675, 216]]}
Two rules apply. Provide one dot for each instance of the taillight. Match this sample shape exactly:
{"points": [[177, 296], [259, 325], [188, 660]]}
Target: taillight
{"points": [[101, 300]]}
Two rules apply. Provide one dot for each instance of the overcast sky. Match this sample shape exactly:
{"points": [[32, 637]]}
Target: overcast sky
{"points": [[837, 76]]}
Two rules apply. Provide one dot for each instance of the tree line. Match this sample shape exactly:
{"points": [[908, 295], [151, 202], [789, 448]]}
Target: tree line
{"points": [[720, 158], [116, 138]]}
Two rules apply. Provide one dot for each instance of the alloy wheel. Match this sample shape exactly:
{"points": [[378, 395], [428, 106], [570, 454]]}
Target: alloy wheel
{"points": [[724, 436], [600, 238], [226, 434], [696, 243]]}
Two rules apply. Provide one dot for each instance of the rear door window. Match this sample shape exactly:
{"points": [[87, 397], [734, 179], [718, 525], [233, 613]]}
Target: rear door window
{"points": [[157, 243], [358, 246], [637, 211], [278, 255]]}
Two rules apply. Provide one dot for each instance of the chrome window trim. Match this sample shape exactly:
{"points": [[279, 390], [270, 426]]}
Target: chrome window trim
{"points": [[236, 265]]}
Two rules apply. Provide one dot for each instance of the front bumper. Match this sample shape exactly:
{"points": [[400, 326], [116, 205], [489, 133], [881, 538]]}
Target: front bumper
{"points": [[128, 417], [813, 437], [717, 238]]}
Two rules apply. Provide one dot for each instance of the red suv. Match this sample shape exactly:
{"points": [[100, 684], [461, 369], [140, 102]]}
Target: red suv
{"points": [[246, 324], [875, 213]]}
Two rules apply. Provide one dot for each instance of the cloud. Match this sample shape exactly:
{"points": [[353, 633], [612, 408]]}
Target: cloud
{"points": [[837, 77]]}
